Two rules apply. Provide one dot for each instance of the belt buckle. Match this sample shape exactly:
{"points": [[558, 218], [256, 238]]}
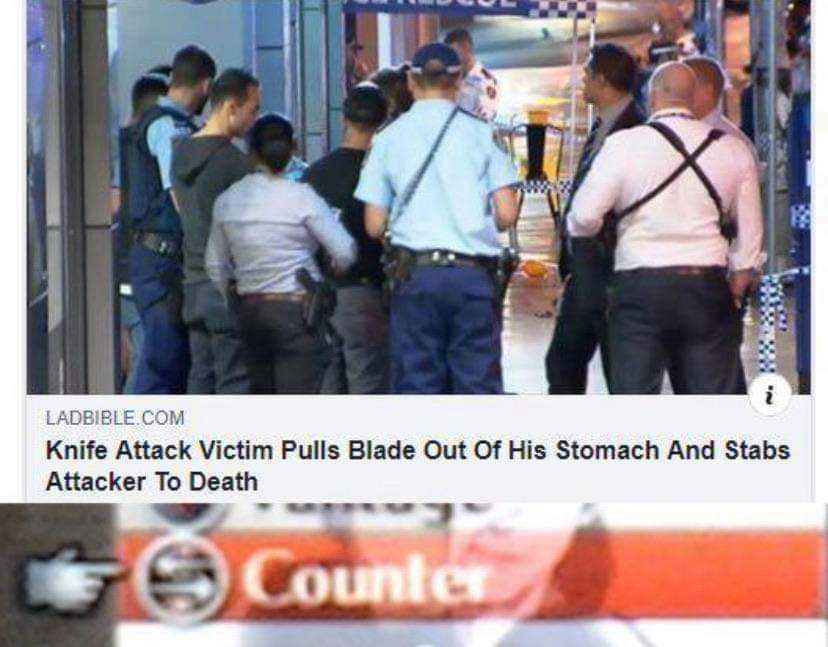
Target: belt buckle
{"points": [[164, 247], [443, 259]]}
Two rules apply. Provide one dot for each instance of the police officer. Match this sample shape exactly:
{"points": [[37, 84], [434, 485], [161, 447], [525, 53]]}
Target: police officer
{"points": [[586, 263], [440, 186], [145, 94], [479, 93], [681, 271], [155, 255]]}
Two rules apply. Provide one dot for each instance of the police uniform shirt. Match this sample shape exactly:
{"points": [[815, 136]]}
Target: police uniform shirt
{"points": [[296, 169], [681, 225], [160, 138], [479, 93], [451, 209]]}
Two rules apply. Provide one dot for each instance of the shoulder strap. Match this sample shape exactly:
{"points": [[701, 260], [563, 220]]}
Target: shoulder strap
{"points": [[126, 138], [676, 142], [411, 188], [690, 161]]}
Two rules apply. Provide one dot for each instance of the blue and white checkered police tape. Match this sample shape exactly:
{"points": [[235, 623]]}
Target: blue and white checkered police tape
{"points": [[801, 216], [773, 315], [528, 8], [561, 187]]}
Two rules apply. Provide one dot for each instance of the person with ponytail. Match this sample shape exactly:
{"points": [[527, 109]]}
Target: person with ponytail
{"points": [[266, 228]]}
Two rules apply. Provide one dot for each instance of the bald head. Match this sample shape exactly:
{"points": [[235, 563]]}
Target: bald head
{"points": [[673, 86]]}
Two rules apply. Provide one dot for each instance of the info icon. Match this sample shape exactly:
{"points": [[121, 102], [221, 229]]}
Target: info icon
{"points": [[770, 394]]}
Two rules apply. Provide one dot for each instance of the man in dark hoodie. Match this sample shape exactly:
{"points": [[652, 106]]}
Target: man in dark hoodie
{"points": [[204, 166]]}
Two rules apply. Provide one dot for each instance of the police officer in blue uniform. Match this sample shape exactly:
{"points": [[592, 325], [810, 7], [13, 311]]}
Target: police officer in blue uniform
{"points": [[439, 187], [155, 255]]}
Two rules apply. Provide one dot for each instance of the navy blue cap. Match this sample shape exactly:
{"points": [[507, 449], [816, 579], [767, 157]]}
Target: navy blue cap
{"points": [[440, 54]]}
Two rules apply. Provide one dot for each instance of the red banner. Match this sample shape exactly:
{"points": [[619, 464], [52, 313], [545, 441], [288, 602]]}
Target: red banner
{"points": [[718, 574]]}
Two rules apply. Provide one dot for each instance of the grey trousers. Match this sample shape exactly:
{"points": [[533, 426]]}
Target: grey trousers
{"points": [[361, 322], [216, 364]]}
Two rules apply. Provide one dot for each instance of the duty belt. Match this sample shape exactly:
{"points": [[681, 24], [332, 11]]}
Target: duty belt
{"points": [[265, 297], [364, 281], [158, 243], [678, 270], [444, 258], [399, 261]]}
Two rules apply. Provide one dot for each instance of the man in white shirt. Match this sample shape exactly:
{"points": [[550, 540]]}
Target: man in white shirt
{"points": [[707, 99], [479, 94], [680, 273]]}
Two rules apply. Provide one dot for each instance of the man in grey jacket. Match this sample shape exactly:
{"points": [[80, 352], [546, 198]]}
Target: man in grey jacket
{"points": [[204, 166]]}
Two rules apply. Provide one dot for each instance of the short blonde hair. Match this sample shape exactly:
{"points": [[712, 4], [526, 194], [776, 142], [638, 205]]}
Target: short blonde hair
{"points": [[708, 72]]}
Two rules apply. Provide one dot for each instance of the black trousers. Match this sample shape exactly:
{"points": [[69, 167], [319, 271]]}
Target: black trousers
{"points": [[281, 354], [581, 326], [687, 324]]}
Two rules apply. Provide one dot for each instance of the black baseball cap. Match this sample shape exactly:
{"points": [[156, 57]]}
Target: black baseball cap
{"points": [[438, 58]]}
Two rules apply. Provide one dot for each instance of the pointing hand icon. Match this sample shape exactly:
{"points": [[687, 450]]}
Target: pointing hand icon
{"points": [[67, 583]]}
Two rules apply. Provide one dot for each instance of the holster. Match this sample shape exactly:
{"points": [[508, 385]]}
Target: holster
{"points": [[609, 237], [233, 299], [174, 298], [319, 303], [507, 263], [397, 264]]}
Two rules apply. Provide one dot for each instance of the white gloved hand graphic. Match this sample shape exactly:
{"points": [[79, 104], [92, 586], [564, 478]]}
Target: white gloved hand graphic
{"points": [[66, 583]]}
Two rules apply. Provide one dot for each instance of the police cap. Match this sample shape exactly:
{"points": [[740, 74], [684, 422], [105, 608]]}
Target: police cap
{"points": [[436, 58]]}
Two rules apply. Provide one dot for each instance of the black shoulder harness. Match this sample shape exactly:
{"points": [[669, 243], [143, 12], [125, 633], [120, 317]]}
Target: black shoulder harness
{"points": [[690, 161]]}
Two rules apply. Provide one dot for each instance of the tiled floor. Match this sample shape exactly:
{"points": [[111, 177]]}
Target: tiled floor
{"points": [[530, 311]]}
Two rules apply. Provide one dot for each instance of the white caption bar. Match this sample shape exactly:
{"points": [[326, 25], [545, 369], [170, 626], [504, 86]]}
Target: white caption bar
{"points": [[154, 449]]}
